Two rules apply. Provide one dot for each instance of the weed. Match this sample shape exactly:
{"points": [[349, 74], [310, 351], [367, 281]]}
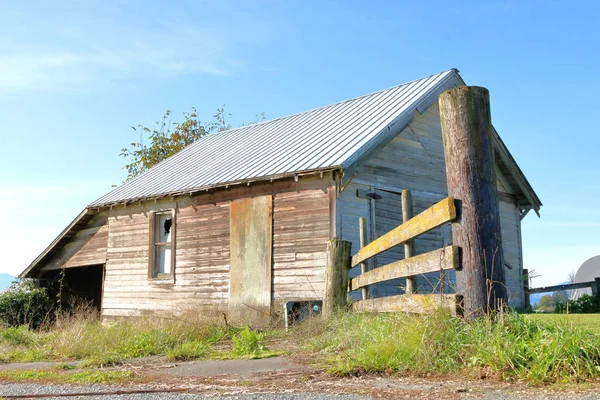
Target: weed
{"points": [[17, 335], [66, 366], [248, 342], [187, 351]]}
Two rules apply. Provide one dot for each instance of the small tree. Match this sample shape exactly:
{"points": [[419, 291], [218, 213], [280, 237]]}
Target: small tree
{"points": [[546, 304], [169, 138], [560, 297]]}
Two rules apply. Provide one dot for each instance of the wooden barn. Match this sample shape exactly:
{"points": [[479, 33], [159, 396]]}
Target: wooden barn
{"points": [[239, 220]]}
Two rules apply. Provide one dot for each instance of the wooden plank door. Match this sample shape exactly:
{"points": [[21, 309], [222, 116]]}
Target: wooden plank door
{"points": [[251, 234]]}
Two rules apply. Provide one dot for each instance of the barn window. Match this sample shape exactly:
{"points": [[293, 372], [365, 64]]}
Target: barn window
{"points": [[162, 233]]}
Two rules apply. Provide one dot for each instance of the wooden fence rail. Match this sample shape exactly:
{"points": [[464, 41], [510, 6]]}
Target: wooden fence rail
{"points": [[411, 266], [446, 258], [433, 217]]}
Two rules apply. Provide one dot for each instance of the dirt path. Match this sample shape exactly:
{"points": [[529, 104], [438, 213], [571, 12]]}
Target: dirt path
{"points": [[281, 378]]}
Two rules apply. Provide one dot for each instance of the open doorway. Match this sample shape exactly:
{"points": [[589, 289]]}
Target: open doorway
{"points": [[80, 285]]}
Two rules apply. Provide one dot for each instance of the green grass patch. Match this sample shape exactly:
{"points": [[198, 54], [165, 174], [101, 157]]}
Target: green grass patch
{"points": [[82, 377], [187, 351], [585, 321], [517, 348]]}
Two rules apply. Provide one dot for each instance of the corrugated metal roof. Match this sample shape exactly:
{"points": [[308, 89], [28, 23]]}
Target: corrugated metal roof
{"points": [[322, 138]]}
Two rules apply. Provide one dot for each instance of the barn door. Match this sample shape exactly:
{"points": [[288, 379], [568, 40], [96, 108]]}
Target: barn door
{"points": [[250, 272]]}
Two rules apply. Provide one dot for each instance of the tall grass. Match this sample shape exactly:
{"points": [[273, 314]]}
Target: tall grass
{"points": [[81, 335], [512, 349]]}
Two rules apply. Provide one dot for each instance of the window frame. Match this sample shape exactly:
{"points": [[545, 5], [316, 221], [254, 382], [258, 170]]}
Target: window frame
{"points": [[153, 246]]}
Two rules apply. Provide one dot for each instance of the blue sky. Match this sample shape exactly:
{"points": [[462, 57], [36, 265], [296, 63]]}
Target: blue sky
{"points": [[75, 76]]}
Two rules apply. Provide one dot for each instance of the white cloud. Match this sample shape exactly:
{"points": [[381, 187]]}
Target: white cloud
{"points": [[92, 43]]}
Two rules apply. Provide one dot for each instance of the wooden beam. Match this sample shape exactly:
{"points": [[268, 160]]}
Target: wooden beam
{"points": [[566, 286], [410, 303], [436, 215], [446, 258]]}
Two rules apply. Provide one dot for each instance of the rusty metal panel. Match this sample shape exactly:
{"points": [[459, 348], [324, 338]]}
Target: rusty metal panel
{"points": [[251, 234]]}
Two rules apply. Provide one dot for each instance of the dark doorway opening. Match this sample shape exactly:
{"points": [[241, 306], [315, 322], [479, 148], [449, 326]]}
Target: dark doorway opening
{"points": [[76, 286]]}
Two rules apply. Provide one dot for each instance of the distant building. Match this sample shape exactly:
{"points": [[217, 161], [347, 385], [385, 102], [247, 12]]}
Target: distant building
{"points": [[588, 271]]}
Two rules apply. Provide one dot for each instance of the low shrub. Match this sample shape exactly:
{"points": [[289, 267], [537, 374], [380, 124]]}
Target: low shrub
{"points": [[586, 304], [24, 304]]}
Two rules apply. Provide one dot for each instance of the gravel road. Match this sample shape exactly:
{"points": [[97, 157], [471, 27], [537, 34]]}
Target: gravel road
{"points": [[21, 390]]}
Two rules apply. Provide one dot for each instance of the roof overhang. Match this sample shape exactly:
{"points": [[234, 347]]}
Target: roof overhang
{"points": [[221, 185], [67, 234]]}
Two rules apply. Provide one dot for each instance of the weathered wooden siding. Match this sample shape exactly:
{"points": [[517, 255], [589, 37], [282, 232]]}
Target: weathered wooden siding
{"points": [[412, 160], [201, 266], [87, 247], [301, 226], [415, 160], [510, 222], [300, 235]]}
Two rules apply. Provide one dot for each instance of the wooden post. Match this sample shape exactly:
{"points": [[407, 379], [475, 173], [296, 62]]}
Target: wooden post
{"points": [[362, 223], [466, 131], [526, 287], [336, 275], [409, 247], [597, 280]]}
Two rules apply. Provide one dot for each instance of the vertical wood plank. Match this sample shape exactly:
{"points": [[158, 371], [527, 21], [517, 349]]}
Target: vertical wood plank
{"points": [[173, 242], [409, 247], [362, 223], [151, 223], [251, 236]]}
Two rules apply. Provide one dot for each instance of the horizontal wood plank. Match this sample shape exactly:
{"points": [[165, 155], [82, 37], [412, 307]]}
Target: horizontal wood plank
{"points": [[446, 258], [438, 214], [410, 303]]}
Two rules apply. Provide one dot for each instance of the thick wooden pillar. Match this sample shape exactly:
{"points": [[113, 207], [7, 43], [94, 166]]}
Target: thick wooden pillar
{"points": [[336, 275], [466, 130]]}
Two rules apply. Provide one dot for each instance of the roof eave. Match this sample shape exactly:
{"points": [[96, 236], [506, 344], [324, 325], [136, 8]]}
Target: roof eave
{"points": [[523, 184], [226, 185], [51, 246]]}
